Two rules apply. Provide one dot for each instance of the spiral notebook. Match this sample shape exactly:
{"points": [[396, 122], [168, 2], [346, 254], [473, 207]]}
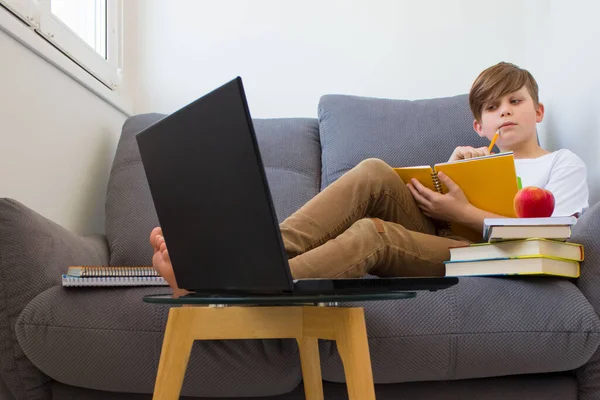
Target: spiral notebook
{"points": [[106, 270], [112, 276], [489, 182]]}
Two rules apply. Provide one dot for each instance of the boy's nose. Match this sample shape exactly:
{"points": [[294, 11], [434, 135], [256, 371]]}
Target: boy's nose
{"points": [[505, 111]]}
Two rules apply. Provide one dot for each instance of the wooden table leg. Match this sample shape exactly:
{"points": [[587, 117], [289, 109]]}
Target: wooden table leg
{"points": [[353, 347], [307, 324], [174, 357], [311, 368], [347, 327]]}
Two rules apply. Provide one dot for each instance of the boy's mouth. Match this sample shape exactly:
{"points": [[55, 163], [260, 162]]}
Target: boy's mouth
{"points": [[506, 124]]}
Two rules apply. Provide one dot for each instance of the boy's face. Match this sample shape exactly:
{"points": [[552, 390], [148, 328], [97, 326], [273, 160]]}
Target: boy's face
{"points": [[515, 115]]}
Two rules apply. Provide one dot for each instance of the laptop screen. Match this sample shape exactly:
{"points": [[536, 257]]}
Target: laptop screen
{"points": [[212, 198]]}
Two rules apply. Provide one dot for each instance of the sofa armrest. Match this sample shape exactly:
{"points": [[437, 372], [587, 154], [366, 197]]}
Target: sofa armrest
{"points": [[586, 232], [34, 252]]}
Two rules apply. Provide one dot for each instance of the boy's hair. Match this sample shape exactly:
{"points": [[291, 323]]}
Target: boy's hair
{"points": [[497, 81]]}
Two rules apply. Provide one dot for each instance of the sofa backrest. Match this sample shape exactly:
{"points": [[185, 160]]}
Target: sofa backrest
{"points": [[301, 156], [290, 151], [400, 132]]}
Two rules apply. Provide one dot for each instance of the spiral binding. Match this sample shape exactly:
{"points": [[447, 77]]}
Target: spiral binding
{"points": [[436, 182], [106, 271], [443, 227], [68, 281]]}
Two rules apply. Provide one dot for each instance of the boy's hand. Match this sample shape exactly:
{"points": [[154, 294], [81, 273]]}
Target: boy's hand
{"points": [[464, 152], [445, 207]]}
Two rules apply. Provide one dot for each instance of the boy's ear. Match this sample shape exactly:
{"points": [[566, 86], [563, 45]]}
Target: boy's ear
{"points": [[478, 127], [539, 113]]}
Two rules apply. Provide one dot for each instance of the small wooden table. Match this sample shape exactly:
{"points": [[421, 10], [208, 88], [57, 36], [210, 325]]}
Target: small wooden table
{"points": [[208, 318]]}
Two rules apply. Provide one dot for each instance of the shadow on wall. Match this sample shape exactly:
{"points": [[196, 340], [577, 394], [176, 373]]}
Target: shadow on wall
{"points": [[91, 214], [576, 127]]}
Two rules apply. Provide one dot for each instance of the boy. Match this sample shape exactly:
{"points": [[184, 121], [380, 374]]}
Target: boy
{"points": [[370, 222]]}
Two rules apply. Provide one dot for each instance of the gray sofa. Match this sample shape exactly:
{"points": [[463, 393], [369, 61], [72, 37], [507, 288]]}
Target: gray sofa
{"points": [[486, 338]]}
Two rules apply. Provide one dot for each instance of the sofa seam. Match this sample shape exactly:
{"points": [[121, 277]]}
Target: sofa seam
{"points": [[322, 141], [292, 170], [30, 325], [453, 359], [487, 333], [320, 158]]}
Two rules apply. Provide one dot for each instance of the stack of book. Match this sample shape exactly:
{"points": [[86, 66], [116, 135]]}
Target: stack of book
{"points": [[520, 246], [112, 276]]}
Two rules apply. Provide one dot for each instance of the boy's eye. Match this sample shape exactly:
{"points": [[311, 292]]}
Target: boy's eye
{"points": [[515, 101], [490, 107]]}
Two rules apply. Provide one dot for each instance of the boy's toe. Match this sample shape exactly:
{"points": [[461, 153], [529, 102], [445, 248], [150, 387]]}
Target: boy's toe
{"points": [[156, 232]]}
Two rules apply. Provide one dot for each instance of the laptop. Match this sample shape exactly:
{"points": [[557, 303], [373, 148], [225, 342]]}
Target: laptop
{"points": [[213, 203]]}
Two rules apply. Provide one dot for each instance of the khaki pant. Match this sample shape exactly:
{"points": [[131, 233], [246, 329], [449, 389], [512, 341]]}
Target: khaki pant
{"points": [[366, 222]]}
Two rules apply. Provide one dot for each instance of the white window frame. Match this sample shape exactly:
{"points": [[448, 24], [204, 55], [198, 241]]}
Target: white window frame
{"points": [[67, 50], [26, 9]]}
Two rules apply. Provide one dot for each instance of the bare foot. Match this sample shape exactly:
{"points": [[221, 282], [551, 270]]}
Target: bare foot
{"points": [[160, 260]]}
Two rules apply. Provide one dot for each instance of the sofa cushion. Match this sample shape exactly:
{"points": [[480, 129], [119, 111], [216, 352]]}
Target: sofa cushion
{"points": [[482, 327], [400, 132], [290, 150], [108, 339]]}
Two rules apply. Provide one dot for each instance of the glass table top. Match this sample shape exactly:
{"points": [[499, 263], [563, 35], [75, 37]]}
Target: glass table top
{"points": [[184, 297]]}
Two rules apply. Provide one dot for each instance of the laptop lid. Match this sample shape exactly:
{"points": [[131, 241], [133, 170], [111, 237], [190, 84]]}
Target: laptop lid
{"points": [[212, 197]]}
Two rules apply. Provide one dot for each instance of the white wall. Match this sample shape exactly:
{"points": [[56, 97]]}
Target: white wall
{"points": [[291, 53], [568, 72], [57, 140]]}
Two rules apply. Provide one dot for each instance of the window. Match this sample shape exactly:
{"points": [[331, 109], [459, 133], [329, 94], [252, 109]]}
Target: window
{"points": [[85, 18], [86, 31]]}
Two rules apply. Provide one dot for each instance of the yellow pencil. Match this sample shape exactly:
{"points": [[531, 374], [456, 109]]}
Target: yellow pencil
{"points": [[494, 140]]}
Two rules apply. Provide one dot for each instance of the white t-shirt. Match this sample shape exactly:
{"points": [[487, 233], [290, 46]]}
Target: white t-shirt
{"points": [[561, 172]]}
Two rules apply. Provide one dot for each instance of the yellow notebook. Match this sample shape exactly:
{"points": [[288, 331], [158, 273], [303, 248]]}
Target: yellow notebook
{"points": [[489, 182]]}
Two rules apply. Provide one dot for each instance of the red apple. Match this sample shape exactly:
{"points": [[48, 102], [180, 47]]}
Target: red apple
{"points": [[534, 202]]}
